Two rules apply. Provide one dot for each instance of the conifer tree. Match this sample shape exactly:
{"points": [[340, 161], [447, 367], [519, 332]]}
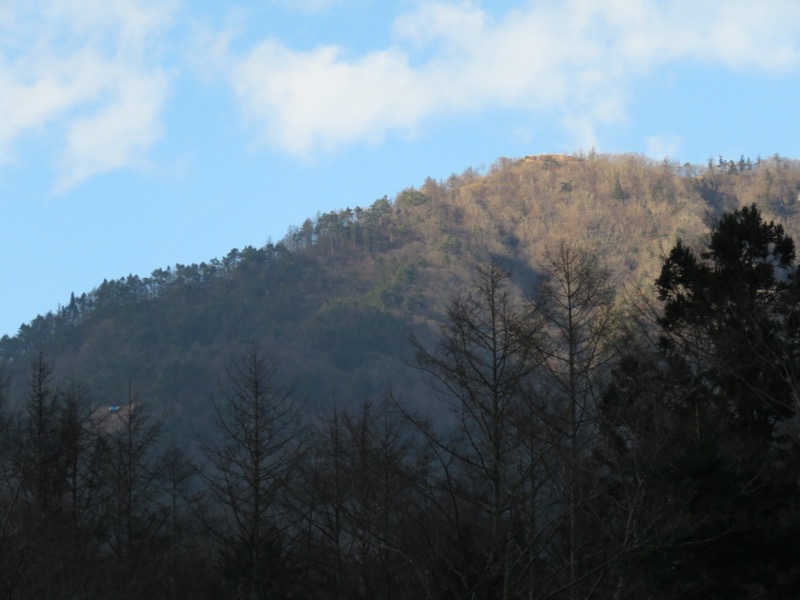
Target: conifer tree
{"points": [[251, 465], [722, 443]]}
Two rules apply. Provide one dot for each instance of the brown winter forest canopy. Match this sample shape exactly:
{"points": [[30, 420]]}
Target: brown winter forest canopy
{"points": [[559, 377], [368, 275]]}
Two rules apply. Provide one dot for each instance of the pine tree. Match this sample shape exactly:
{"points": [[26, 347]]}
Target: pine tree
{"points": [[727, 447]]}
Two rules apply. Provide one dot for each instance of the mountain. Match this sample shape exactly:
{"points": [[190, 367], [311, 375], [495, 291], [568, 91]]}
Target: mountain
{"points": [[334, 302], [159, 450]]}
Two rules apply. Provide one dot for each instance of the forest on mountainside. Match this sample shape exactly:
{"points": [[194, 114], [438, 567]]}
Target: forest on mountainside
{"points": [[359, 316], [335, 300], [572, 443]]}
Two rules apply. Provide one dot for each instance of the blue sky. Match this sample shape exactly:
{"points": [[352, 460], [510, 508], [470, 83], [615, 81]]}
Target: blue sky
{"points": [[136, 134]]}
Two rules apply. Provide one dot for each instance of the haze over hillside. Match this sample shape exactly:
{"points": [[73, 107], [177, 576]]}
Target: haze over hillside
{"points": [[555, 376], [569, 376], [337, 297]]}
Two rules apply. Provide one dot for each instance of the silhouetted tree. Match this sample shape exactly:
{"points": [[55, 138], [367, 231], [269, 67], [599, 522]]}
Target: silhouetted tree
{"points": [[575, 304], [251, 465], [358, 487], [725, 446], [479, 367]]}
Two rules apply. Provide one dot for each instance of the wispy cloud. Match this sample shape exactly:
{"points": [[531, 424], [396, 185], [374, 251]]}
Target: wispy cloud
{"points": [[92, 72], [118, 134], [317, 100], [79, 67], [663, 146], [306, 6], [576, 60]]}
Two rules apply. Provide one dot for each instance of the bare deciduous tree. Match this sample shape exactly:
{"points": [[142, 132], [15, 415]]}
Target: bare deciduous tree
{"points": [[251, 465], [479, 367], [575, 302]]}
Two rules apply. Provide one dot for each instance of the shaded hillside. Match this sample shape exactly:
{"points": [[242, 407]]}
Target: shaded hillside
{"points": [[335, 300], [584, 452]]}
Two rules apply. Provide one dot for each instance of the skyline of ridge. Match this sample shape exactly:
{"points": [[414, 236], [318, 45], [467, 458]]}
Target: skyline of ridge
{"points": [[140, 133]]}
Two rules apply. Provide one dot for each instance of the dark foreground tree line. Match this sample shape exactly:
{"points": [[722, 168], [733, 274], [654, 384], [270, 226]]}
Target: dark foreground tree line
{"points": [[568, 450]]}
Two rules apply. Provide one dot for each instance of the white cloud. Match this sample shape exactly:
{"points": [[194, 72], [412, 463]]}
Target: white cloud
{"points": [[663, 146], [458, 26], [576, 59], [308, 100], [86, 75], [117, 135]]}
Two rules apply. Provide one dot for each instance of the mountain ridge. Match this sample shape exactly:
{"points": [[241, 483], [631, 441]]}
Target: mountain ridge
{"points": [[335, 300]]}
